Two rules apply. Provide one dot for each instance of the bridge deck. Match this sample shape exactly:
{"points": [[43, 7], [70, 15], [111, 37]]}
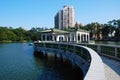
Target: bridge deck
{"points": [[112, 68]]}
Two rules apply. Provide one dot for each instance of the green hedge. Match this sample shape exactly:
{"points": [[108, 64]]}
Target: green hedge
{"points": [[63, 47], [118, 51], [55, 46], [48, 45], [108, 50], [70, 48], [94, 47]]}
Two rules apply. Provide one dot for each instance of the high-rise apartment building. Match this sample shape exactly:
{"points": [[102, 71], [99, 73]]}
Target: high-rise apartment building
{"points": [[65, 18]]}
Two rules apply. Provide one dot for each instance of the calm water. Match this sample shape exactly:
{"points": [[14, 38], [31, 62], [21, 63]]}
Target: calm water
{"points": [[17, 62], [107, 42]]}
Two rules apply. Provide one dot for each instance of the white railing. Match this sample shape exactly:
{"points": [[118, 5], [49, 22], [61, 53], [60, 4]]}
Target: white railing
{"points": [[93, 65], [107, 50]]}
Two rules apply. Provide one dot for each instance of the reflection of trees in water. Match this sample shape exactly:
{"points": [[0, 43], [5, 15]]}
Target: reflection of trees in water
{"points": [[55, 69]]}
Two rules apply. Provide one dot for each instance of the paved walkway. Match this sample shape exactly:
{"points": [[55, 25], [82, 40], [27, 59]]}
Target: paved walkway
{"points": [[112, 68]]}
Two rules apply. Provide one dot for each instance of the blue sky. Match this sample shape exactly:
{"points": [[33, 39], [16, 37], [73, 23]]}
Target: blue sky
{"points": [[40, 13]]}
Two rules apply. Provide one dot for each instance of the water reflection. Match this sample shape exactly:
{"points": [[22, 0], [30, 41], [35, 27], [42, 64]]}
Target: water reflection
{"points": [[106, 42], [55, 69], [17, 62]]}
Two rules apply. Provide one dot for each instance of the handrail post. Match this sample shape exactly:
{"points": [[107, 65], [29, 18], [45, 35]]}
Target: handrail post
{"points": [[74, 50], [59, 46], [115, 51], [98, 49], [44, 45], [66, 48]]}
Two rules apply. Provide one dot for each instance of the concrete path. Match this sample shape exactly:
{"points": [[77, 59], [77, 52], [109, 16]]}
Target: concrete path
{"points": [[112, 68]]}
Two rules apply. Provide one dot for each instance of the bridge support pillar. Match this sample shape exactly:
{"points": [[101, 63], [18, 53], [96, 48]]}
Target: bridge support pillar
{"points": [[72, 63], [59, 57], [45, 54]]}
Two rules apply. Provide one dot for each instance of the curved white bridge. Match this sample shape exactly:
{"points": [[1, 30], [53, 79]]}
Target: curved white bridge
{"points": [[87, 59]]}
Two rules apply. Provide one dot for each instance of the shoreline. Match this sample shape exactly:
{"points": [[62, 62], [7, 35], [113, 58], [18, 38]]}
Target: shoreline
{"points": [[15, 41]]}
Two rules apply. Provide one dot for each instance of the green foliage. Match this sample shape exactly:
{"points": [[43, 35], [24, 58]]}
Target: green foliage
{"points": [[19, 34], [104, 29]]}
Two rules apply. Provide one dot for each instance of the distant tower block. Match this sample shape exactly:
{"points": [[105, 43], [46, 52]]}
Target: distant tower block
{"points": [[65, 18]]}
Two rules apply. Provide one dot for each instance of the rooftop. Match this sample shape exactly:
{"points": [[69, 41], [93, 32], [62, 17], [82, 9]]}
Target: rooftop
{"points": [[67, 31], [54, 31]]}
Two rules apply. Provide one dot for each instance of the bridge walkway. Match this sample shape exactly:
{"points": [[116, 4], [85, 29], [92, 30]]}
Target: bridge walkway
{"points": [[112, 68]]}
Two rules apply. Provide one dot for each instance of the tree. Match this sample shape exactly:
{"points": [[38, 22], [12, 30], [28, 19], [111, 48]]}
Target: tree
{"points": [[11, 35], [20, 32], [105, 31], [118, 23]]}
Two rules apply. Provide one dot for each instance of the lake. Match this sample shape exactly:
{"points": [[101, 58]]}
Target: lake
{"points": [[17, 62], [117, 43]]}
